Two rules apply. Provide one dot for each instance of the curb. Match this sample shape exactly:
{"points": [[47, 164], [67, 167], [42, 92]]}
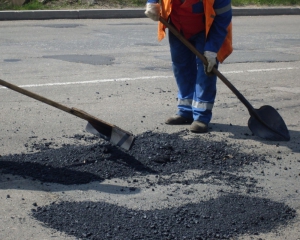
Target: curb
{"points": [[125, 13], [267, 11]]}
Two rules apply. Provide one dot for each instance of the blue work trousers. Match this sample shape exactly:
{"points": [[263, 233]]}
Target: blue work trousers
{"points": [[196, 90]]}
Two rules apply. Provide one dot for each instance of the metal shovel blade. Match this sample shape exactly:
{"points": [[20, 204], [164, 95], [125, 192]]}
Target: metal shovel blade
{"points": [[270, 126], [117, 136], [96, 126]]}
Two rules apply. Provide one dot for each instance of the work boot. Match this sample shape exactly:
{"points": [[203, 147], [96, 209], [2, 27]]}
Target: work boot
{"points": [[199, 127], [177, 120]]}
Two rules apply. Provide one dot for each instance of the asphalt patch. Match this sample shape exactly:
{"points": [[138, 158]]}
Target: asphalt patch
{"points": [[61, 25], [85, 59], [12, 60]]}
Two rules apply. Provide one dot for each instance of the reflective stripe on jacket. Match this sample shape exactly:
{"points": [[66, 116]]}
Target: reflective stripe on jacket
{"points": [[210, 13]]}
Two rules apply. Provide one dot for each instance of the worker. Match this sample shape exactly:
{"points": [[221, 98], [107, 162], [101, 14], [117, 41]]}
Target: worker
{"points": [[206, 24]]}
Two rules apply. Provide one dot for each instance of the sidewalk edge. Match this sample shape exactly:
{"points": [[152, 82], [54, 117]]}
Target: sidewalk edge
{"points": [[124, 13]]}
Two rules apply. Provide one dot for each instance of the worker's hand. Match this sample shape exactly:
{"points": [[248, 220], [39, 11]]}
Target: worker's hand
{"points": [[211, 58], [153, 11]]}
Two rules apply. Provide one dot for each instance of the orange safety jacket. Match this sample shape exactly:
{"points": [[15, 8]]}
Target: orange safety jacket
{"points": [[226, 48]]}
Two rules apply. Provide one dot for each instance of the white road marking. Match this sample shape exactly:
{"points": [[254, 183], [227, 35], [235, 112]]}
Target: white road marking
{"points": [[271, 69], [233, 72], [285, 89], [91, 81], [262, 70], [143, 78]]}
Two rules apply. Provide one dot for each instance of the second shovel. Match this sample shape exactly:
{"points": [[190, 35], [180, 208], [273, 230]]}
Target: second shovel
{"points": [[264, 122]]}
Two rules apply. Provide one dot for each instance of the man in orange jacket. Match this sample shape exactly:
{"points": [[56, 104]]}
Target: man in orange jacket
{"points": [[207, 25]]}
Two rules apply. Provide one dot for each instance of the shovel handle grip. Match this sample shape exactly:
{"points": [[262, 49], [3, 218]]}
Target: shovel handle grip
{"points": [[203, 59]]}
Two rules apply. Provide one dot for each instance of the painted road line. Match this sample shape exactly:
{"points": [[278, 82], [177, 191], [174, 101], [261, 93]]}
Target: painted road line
{"points": [[91, 81], [272, 69], [286, 89], [144, 78]]}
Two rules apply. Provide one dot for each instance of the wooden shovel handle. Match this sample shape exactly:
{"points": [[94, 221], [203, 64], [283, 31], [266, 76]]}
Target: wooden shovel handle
{"points": [[74, 111], [214, 70]]}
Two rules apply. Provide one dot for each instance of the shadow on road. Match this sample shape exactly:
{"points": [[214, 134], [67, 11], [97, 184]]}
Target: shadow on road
{"points": [[243, 132]]}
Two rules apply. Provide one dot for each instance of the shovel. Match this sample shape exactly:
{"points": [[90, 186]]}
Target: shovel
{"points": [[264, 122], [107, 131]]}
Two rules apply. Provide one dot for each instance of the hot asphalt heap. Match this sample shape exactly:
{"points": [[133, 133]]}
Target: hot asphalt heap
{"points": [[159, 154]]}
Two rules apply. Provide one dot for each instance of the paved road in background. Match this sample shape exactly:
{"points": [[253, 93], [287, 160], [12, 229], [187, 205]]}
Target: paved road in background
{"points": [[130, 13], [116, 70]]}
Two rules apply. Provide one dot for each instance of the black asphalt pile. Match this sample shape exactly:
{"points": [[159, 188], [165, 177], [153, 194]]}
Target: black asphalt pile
{"points": [[166, 156], [93, 159], [222, 218]]}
